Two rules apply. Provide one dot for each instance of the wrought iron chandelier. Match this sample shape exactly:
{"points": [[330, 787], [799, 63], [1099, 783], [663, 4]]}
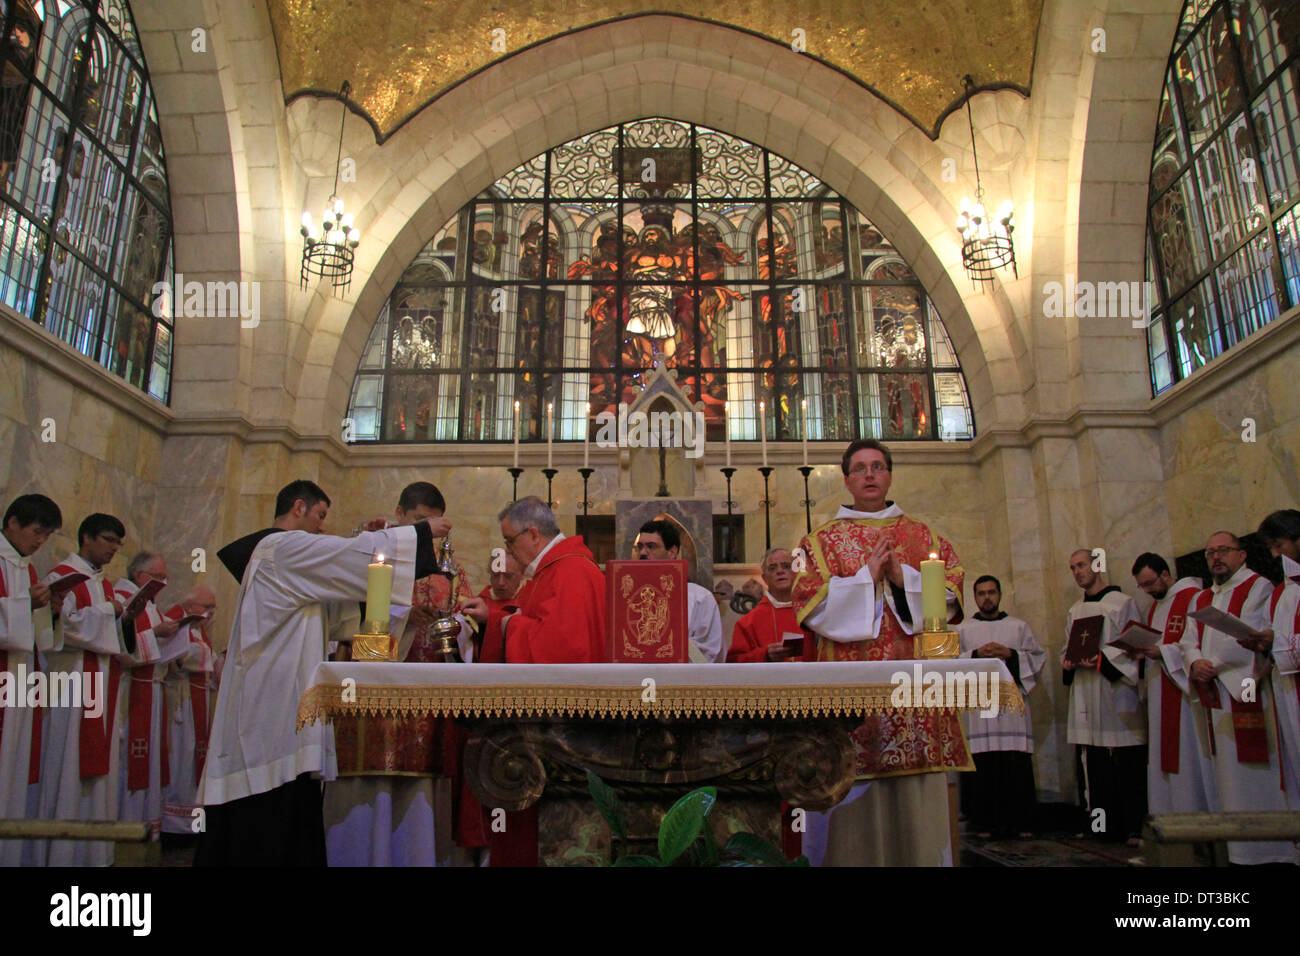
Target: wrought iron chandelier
{"points": [[328, 250], [986, 246]]}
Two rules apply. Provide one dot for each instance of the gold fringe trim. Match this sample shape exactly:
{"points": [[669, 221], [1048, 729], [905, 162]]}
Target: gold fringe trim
{"points": [[328, 700]]}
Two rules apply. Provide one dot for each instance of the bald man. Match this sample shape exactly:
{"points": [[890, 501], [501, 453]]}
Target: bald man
{"points": [[191, 689], [761, 635]]}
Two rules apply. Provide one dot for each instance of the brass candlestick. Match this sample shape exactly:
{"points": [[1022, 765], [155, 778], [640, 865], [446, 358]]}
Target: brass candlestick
{"points": [[936, 642], [374, 643]]}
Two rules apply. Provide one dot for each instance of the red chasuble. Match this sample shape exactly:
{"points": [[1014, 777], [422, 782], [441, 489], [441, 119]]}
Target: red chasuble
{"points": [[766, 624], [900, 743], [561, 617]]}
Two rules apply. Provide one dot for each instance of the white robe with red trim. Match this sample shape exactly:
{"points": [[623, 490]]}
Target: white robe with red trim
{"points": [[1241, 786], [1286, 690], [21, 631], [87, 622], [1191, 789], [197, 666]]}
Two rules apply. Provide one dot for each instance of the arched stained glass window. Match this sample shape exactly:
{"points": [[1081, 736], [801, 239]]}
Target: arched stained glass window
{"points": [[85, 220], [659, 242], [1223, 248]]}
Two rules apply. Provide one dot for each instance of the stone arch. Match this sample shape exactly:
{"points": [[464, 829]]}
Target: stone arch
{"points": [[691, 71]]}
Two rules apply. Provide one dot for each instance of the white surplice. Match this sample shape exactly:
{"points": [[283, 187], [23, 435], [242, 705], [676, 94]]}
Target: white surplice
{"points": [[22, 630], [705, 624], [65, 795], [147, 664], [1106, 713], [1005, 731], [197, 663], [1191, 789], [299, 592], [1241, 786], [1286, 664]]}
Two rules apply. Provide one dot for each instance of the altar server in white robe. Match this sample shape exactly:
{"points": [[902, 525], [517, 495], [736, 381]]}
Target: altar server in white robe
{"points": [[1179, 776], [190, 691], [261, 783], [1106, 719], [152, 645], [1280, 531], [79, 766], [660, 541], [1001, 793], [1235, 696], [25, 626]]}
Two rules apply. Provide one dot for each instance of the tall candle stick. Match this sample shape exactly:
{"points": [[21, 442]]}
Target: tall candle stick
{"points": [[586, 437], [726, 428], [516, 433], [762, 428], [934, 599], [804, 404], [550, 408], [379, 590]]}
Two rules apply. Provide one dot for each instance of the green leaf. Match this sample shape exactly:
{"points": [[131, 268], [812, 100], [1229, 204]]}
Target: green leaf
{"points": [[609, 805], [799, 861], [639, 859], [683, 822], [746, 846]]}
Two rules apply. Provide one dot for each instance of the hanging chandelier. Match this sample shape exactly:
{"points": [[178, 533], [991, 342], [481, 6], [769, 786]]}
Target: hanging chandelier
{"points": [[327, 249], [986, 245]]}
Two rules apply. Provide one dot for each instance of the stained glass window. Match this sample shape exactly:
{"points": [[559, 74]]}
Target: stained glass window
{"points": [[659, 242], [1222, 255], [85, 222]]}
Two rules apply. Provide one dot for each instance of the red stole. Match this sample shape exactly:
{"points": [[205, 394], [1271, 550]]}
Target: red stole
{"points": [[1247, 718], [199, 710], [95, 732], [138, 737], [1170, 696], [34, 757]]}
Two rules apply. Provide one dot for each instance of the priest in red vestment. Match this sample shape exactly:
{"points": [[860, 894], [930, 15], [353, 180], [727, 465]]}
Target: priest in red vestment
{"points": [[561, 617], [860, 595], [760, 635]]}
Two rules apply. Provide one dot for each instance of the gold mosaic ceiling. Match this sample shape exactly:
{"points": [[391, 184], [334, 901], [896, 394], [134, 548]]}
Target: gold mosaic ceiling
{"points": [[401, 54]]}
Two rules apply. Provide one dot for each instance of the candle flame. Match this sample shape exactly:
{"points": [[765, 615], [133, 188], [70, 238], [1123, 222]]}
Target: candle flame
{"points": [[516, 404], [379, 558], [933, 556]]}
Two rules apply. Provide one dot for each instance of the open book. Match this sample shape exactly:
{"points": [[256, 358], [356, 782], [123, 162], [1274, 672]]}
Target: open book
{"points": [[1137, 637], [135, 606], [65, 584]]}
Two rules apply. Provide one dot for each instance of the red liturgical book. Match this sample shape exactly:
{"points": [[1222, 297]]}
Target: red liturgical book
{"points": [[1085, 640], [647, 612], [65, 584], [141, 598]]}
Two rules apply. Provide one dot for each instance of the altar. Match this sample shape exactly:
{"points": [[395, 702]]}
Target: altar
{"points": [[765, 735]]}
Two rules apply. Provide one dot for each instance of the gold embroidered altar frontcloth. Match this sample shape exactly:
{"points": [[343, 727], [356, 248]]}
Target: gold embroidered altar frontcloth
{"points": [[762, 690]]}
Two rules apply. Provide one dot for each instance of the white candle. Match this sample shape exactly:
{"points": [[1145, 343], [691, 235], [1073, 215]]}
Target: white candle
{"points": [[516, 433], [379, 590], [726, 427], [586, 437], [550, 408], [804, 404], [762, 428]]}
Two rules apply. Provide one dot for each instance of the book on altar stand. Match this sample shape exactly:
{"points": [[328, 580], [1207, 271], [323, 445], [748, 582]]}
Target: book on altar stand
{"points": [[1085, 641], [647, 610]]}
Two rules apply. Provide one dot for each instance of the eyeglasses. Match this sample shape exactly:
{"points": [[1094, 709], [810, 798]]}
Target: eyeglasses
{"points": [[509, 539], [780, 566], [1213, 553], [876, 468]]}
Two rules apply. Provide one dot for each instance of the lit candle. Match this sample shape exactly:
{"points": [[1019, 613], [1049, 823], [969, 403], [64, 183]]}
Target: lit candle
{"points": [[550, 408], [379, 590], [586, 437], [726, 414], [516, 433], [762, 428], [804, 405], [934, 598]]}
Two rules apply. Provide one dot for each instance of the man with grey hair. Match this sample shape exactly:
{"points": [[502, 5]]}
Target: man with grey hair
{"points": [[1233, 694], [561, 616], [141, 776], [770, 632]]}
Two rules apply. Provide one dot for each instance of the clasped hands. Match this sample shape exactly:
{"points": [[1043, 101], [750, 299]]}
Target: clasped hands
{"points": [[885, 563]]}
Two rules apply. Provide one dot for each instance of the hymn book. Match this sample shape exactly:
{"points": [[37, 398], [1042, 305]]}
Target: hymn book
{"points": [[1136, 637], [647, 610], [1084, 644], [65, 584], [142, 597]]}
